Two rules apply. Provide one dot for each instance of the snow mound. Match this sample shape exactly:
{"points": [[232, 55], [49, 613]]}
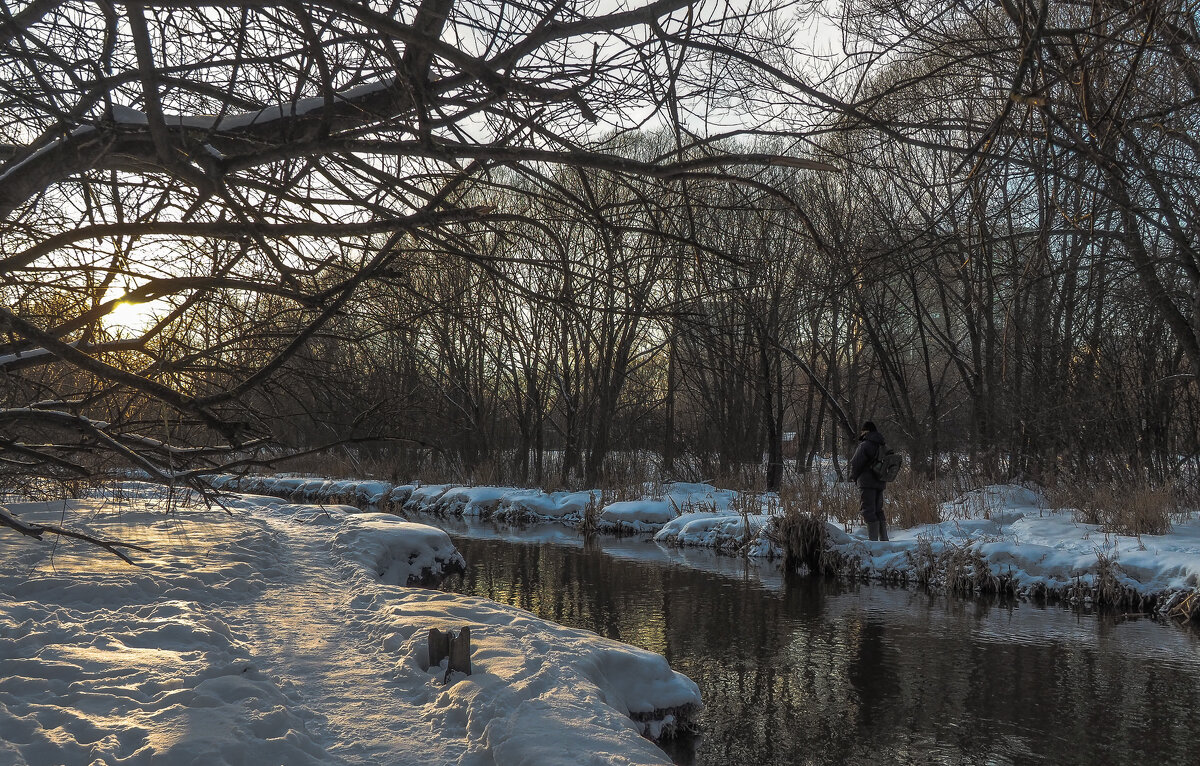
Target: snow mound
{"points": [[471, 501], [395, 551], [636, 515], [424, 498], [535, 504], [710, 530]]}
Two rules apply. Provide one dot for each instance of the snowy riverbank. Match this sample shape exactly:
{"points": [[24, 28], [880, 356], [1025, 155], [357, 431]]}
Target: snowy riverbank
{"points": [[282, 633], [998, 538]]}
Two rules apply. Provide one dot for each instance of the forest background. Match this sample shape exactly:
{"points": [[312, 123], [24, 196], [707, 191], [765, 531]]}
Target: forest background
{"points": [[581, 246]]}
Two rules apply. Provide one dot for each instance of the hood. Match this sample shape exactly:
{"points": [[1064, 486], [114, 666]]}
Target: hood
{"points": [[876, 437]]}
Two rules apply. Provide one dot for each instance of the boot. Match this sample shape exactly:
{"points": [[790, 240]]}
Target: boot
{"points": [[873, 530], [882, 524]]}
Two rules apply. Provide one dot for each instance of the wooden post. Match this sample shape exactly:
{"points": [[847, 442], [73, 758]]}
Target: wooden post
{"points": [[443, 644], [439, 646], [460, 652]]}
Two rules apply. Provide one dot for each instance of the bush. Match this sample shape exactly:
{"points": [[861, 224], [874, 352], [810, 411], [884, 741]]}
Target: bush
{"points": [[913, 501], [1138, 509]]}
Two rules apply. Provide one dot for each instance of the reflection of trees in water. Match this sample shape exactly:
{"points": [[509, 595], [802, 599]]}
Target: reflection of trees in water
{"points": [[815, 675], [542, 580]]}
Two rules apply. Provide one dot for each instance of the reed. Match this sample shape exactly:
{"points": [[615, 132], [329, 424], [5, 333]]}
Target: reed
{"points": [[913, 501], [1125, 509]]}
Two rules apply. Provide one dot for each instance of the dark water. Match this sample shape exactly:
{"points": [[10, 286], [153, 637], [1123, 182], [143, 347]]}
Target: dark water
{"points": [[812, 672]]}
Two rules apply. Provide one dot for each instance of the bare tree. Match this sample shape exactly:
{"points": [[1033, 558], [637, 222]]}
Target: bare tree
{"points": [[247, 168]]}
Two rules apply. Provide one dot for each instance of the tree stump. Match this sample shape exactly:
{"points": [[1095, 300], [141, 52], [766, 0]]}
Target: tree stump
{"points": [[444, 644]]}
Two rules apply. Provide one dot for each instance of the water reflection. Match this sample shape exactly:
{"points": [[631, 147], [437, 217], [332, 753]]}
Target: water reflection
{"points": [[813, 672]]}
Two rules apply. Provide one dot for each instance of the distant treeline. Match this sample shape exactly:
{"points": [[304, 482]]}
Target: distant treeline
{"points": [[966, 314]]}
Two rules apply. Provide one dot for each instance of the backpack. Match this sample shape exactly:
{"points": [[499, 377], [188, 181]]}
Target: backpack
{"points": [[887, 467]]}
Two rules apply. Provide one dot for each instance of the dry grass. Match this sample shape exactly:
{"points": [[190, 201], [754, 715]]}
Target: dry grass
{"points": [[912, 501], [591, 514], [610, 492], [747, 504], [924, 562], [909, 502], [1184, 606], [803, 540], [960, 568], [1138, 509], [1107, 588], [838, 501]]}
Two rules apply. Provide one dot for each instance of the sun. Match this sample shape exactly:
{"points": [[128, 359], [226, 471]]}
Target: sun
{"points": [[130, 317]]}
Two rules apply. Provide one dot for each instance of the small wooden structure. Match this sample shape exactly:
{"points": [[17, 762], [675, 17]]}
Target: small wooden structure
{"points": [[443, 644]]}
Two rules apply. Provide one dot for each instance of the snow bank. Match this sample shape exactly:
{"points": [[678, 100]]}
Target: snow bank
{"points": [[539, 693], [1000, 534], [999, 538], [1033, 549], [506, 503], [213, 648], [108, 663], [1006, 527]]}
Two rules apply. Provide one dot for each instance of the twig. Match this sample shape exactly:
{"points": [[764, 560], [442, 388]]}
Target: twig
{"points": [[37, 530]]}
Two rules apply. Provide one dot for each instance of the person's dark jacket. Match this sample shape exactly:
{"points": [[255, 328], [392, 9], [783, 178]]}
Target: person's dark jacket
{"points": [[870, 447]]}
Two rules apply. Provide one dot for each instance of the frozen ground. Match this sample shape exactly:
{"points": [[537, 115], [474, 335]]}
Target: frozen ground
{"points": [[1006, 532], [283, 634]]}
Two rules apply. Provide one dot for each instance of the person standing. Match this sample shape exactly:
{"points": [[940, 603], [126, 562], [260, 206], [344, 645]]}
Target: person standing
{"points": [[870, 486]]}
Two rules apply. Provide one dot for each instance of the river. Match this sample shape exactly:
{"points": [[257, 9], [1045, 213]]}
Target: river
{"points": [[816, 672]]}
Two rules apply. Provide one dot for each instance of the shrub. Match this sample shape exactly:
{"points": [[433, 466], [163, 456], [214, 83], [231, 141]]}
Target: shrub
{"points": [[1137, 509], [912, 501], [803, 540]]}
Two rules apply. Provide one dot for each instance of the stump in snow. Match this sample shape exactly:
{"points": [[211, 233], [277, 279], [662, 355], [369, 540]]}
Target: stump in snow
{"points": [[444, 644]]}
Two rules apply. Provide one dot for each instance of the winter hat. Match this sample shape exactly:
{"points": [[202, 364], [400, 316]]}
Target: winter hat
{"points": [[868, 426]]}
